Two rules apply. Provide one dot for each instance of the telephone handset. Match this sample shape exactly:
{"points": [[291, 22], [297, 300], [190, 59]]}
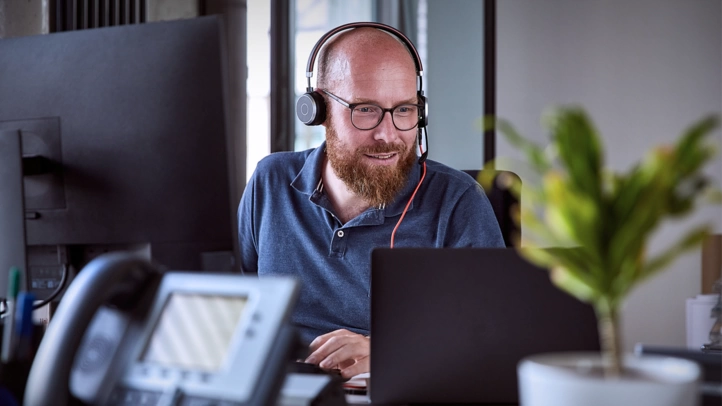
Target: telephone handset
{"points": [[127, 334]]}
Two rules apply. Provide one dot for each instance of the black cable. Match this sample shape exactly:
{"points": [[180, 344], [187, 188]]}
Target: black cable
{"points": [[425, 152], [56, 292]]}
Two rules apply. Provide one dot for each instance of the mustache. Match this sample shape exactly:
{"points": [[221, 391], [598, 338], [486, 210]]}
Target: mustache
{"points": [[382, 149]]}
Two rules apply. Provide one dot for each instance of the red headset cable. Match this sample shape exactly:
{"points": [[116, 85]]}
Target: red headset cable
{"points": [[423, 175]]}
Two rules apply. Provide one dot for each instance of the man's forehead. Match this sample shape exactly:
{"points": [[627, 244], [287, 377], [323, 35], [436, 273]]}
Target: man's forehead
{"points": [[363, 44], [359, 83], [379, 91], [370, 66]]}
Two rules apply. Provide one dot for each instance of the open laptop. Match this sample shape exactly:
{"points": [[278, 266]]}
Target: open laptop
{"points": [[450, 325]]}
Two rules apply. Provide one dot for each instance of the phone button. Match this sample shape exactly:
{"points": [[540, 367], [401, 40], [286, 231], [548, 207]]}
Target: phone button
{"points": [[164, 373], [198, 401], [170, 397]]}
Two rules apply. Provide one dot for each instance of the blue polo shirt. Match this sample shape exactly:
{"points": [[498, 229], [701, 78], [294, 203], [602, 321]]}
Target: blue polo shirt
{"points": [[287, 226]]}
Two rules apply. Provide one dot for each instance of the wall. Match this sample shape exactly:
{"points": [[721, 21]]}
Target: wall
{"points": [[644, 69], [453, 79]]}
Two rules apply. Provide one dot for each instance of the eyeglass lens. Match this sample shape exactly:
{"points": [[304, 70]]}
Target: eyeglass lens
{"points": [[368, 116]]}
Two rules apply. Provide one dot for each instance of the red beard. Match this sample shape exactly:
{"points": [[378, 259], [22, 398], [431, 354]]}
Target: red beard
{"points": [[377, 185]]}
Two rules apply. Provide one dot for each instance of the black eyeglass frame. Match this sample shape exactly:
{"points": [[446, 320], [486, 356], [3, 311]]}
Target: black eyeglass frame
{"points": [[352, 106]]}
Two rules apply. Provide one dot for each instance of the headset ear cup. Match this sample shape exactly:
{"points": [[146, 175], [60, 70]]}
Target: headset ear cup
{"points": [[424, 112], [311, 108]]}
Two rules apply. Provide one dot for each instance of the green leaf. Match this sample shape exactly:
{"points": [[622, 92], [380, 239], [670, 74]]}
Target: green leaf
{"points": [[568, 269], [579, 148], [694, 135], [571, 283], [570, 212], [535, 154], [691, 240]]}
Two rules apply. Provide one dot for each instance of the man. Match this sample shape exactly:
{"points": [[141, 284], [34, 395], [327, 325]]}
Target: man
{"points": [[317, 215]]}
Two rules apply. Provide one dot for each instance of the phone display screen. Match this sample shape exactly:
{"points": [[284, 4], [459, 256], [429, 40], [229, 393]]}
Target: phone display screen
{"points": [[194, 331]]}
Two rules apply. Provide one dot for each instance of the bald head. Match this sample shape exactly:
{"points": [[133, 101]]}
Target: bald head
{"points": [[352, 52]]}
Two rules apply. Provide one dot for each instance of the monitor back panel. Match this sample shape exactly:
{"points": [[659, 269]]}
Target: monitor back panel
{"points": [[450, 325], [133, 119]]}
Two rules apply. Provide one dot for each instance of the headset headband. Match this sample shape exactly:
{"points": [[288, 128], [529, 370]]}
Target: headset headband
{"points": [[383, 27], [311, 106]]}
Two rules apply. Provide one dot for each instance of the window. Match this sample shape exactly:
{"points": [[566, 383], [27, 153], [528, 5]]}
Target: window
{"points": [[258, 84]]}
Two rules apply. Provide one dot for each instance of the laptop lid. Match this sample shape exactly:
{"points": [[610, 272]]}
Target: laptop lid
{"points": [[450, 325]]}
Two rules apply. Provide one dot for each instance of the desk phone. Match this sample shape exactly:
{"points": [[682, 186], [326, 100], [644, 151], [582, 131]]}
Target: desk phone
{"points": [[175, 338]]}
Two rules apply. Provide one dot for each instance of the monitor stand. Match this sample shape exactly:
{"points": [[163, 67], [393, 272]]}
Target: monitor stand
{"points": [[12, 209]]}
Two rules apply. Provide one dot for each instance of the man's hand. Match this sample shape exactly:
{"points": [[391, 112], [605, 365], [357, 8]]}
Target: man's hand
{"points": [[343, 350]]}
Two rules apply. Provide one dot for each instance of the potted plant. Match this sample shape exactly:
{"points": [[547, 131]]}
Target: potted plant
{"points": [[608, 217]]}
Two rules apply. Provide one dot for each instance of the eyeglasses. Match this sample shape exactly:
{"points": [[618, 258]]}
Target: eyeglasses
{"points": [[366, 116]]}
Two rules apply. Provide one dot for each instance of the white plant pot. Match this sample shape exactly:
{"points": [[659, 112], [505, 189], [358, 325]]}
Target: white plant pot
{"points": [[576, 379]]}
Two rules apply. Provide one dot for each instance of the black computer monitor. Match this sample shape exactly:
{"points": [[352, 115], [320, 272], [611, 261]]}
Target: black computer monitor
{"points": [[127, 127]]}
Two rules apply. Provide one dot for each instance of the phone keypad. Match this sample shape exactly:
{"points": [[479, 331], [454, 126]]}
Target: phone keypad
{"points": [[193, 401], [133, 397]]}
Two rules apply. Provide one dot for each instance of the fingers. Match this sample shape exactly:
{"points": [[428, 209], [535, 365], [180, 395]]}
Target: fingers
{"points": [[338, 351], [337, 347], [361, 366], [322, 339], [343, 350]]}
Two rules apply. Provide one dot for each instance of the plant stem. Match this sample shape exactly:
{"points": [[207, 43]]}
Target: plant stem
{"points": [[609, 337]]}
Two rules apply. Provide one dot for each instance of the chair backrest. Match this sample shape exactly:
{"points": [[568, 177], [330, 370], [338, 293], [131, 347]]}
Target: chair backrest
{"points": [[504, 203]]}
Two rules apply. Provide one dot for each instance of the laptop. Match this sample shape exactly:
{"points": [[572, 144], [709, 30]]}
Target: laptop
{"points": [[450, 325]]}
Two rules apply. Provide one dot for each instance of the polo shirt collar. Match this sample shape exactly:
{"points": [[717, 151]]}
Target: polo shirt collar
{"points": [[308, 179]]}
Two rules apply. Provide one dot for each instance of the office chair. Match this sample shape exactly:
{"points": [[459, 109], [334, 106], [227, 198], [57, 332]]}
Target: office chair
{"points": [[504, 203]]}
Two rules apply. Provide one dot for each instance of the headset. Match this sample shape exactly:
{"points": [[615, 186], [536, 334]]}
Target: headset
{"points": [[311, 106]]}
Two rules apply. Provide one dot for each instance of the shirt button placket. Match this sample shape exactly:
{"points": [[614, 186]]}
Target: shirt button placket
{"points": [[338, 244]]}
